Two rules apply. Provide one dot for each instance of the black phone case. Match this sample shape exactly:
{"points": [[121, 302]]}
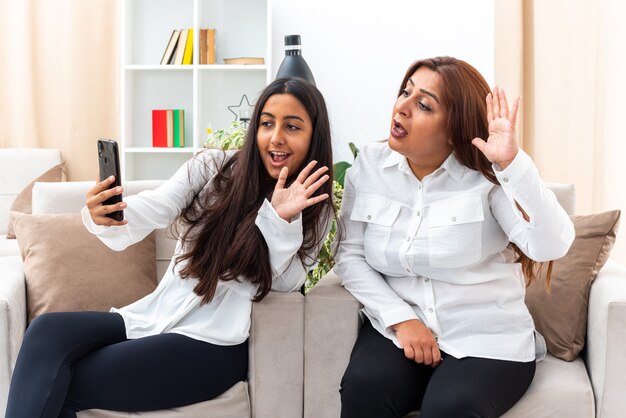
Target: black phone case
{"points": [[109, 162]]}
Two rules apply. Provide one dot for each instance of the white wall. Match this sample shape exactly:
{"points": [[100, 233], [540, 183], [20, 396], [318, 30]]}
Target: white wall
{"points": [[359, 51]]}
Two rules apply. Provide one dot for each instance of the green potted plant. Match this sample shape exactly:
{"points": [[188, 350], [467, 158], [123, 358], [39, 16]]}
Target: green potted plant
{"points": [[326, 261], [229, 138]]}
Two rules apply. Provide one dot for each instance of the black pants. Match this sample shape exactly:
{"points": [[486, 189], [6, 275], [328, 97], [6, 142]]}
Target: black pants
{"points": [[381, 382], [73, 361]]}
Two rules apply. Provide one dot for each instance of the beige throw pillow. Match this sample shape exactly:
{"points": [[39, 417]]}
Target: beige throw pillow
{"points": [[69, 269], [561, 315], [23, 201]]}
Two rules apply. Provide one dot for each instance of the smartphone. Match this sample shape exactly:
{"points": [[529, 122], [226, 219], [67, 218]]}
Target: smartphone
{"points": [[109, 162]]}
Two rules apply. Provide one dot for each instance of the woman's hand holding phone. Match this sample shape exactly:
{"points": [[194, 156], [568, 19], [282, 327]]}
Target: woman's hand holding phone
{"points": [[95, 198]]}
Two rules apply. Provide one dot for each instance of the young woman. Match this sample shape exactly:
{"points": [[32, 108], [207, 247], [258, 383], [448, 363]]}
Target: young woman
{"points": [[442, 220], [250, 221]]}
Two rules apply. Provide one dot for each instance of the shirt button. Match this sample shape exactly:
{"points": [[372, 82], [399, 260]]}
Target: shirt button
{"points": [[427, 280], [454, 219], [419, 187], [408, 270], [408, 239], [369, 217], [418, 213], [430, 310], [506, 179]]}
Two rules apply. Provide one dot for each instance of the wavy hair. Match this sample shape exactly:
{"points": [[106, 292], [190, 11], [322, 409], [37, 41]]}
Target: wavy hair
{"points": [[220, 238], [463, 96]]}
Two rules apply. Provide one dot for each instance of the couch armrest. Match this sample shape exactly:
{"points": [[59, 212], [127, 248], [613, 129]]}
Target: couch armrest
{"points": [[12, 319], [331, 326], [276, 364], [605, 356]]}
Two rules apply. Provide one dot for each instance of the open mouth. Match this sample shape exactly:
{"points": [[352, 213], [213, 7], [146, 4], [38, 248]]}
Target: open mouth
{"points": [[278, 158], [398, 131]]}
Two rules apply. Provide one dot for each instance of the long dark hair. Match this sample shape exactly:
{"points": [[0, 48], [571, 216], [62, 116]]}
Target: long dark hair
{"points": [[220, 238], [463, 96]]}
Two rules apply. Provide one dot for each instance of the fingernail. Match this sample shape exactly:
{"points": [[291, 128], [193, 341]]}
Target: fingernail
{"points": [[111, 178]]}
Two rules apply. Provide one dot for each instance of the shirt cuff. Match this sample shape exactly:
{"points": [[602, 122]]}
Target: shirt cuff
{"points": [[283, 238], [394, 316], [89, 224], [516, 171]]}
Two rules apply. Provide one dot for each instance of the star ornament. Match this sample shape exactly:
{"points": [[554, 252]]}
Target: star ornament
{"points": [[242, 112]]}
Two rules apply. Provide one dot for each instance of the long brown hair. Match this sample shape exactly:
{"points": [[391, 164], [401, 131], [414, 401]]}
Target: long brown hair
{"points": [[220, 238], [463, 96]]}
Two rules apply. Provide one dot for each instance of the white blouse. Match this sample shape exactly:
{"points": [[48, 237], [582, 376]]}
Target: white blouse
{"points": [[173, 306], [436, 250]]}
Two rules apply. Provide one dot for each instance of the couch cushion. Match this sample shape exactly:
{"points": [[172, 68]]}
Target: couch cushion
{"points": [[559, 389], [234, 403], [23, 201], [561, 315], [69, 269]]}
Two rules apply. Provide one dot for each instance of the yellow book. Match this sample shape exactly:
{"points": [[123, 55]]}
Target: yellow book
{"points": [[188, 57]]}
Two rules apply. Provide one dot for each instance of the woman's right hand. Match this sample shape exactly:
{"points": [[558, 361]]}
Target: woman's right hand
{"points": [[418, 342], [98, 194]]}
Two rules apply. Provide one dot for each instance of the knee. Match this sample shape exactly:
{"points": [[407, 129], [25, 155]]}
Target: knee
{"points": [[366, 393], [43, 329]]}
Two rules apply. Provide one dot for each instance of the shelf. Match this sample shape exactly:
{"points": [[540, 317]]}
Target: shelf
{"points": [[212, 67], [204, 92], [156, 150]]}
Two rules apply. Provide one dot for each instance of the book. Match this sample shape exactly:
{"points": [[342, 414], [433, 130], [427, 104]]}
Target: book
{"points": [[210, 41], [170, 127], [168, 55], [159, 128], [179, 128], [180, 47], [244, 61], [188, 56], [203, 46]]}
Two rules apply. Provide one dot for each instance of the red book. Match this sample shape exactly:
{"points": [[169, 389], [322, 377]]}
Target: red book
{"points": [[159, 128]]}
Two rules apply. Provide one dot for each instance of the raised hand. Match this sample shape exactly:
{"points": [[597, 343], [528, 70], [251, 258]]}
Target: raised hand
{"points": [[418, 342], [288, 202], [501, 146], [98, 194]]}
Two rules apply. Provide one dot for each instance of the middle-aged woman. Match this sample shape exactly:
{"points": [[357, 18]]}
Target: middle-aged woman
{"points": [[443, 221]]}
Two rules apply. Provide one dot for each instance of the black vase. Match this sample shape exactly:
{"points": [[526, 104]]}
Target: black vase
{"points": [[293, 64]]}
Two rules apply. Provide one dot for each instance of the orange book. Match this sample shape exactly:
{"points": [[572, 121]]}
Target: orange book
{"points": [[203, 46], [210, 42]]}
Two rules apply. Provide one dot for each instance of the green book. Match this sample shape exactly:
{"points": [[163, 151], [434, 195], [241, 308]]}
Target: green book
{"points": [[179, 128]]}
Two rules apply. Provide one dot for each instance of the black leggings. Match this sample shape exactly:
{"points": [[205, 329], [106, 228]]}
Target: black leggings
{"points": [[381, 382], [73, 361]]}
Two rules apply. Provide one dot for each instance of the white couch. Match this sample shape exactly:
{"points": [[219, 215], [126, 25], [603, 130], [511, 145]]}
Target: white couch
{"points": [[274, 388], [593, 385]]}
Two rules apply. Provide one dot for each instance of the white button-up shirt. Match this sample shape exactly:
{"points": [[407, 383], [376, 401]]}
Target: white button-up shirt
{"points": [[437, 250], [173, 306]]}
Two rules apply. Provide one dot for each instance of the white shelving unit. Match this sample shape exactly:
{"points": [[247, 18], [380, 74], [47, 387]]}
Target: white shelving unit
{"points": [[242, 29]]}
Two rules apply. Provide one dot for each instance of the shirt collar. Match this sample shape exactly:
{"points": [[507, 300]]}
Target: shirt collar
{"points": [[451, 165]]}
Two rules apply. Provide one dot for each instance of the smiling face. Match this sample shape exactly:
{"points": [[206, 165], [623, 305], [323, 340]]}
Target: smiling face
{"points": [[418, 126], [284, 134]]}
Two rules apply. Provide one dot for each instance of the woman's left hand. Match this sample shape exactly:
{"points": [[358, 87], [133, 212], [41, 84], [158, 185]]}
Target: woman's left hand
{"points": [[288, 202], [501, 146]]}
